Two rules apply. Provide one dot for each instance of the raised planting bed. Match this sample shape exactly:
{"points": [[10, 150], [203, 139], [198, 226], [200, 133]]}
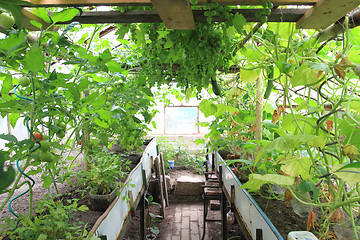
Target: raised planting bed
{"points": [[112, 223], [250, 209]]}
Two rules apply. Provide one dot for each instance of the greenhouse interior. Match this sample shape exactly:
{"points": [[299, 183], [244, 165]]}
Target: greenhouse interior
{"points": [[180, 119]]}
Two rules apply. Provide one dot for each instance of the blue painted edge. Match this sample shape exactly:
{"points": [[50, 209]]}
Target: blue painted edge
{"points": [[267, 220]]}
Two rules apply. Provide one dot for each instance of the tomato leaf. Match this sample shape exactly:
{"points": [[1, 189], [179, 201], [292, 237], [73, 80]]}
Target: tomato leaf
{"points": [[34, 59], [8, 137], [100, 123], [7, 85], [65, 15], [6, 177], [41, 13]]}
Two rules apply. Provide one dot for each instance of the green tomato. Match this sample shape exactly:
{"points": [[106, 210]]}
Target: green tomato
{"points": [[45, 138], [62, 125], [24, 81], [109, 89], [110, 98], [60, 134], [46, 157], [107, 103], [6, 21], [45, 146]]}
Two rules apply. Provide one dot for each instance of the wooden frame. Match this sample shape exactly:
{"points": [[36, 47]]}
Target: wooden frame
{"points": [[177, 14], [72, 3]]}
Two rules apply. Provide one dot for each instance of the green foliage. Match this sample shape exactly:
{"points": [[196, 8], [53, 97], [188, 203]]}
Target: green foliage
{"points": [[51, 221], [8, 176], [178, 150], [105, 173]]}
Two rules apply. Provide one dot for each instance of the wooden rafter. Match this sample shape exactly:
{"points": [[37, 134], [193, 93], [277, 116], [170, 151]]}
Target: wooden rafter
{"points": [[151, 16], [69, 3], [325, 13], [176, 14]]}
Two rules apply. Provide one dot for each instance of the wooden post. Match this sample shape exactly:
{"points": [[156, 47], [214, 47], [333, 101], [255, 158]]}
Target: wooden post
{"points": [[142, 217], [160, 186], [259, 108], [223, 205], [164, 179]]}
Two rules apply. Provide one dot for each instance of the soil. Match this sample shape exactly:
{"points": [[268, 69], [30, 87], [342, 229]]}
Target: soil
{"points": [[283, 217], [67, 190]]}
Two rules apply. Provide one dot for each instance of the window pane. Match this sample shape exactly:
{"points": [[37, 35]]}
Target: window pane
{"points": [[181, 120]]}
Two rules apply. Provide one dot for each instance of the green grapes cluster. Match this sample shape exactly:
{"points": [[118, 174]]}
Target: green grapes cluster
{"points": [[265, 12]]}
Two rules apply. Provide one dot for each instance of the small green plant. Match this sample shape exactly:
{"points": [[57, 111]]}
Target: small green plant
{"points": [[151, 218], [105, 173], [178, 151], [51, 221]]}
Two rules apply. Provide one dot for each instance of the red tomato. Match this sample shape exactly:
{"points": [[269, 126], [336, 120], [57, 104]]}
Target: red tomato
{"points": [[38, 136]]}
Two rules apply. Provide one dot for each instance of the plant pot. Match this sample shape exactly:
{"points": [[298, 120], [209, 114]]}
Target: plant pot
{"points": [[171, 164], [101, 202]]}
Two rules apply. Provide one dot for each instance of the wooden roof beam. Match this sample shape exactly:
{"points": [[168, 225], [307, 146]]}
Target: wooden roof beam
{"points": [[326, 12], [176, 14], [151, 16], [72, 3]]}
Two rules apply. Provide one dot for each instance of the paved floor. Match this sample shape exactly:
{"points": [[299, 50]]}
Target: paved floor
{"points": [[184, 221]]}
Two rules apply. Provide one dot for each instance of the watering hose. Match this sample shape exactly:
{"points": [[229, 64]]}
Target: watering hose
{"points": [[18, 160]]}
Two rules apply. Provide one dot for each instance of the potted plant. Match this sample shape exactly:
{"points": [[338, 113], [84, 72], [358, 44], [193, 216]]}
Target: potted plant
{"points": [[103, 179]]}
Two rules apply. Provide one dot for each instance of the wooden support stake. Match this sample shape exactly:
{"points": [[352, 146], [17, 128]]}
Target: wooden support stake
{"points": [[131, 203], [259, 108], [142, 217], [223, 206], [232, 198], [164, 179], [160, 186]]}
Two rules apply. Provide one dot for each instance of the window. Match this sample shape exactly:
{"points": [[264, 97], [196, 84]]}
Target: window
{"points": [[181, 120]]}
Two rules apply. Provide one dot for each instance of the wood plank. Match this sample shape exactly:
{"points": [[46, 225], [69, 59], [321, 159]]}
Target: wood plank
{"points": [[164, 179], [28, 16], [69, 3], [160, 186], [176, 14], [325, 13], [150, 16]]}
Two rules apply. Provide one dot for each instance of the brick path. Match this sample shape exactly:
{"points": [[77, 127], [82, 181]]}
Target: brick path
{"points": [[184, 221]]}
